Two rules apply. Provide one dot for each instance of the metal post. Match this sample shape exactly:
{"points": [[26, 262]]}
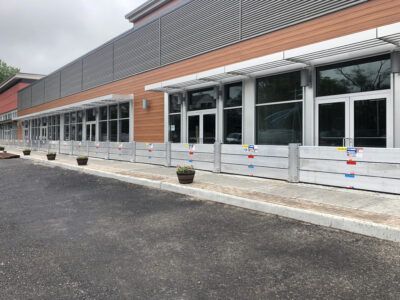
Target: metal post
{"points": [[294, 163], [72, 147], [108, 150], [168, 154], [133, 154], [217, 157], [59, 146]]}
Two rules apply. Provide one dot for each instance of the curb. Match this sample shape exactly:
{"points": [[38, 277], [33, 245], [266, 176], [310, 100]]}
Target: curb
{"points": [[342, 223]]}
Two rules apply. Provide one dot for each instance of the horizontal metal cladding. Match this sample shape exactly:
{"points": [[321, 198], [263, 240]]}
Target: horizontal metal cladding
{"points": [[25, 98], [52, 87], [98, 67], [38, 93], [137, 51], [260, 17], [197, 27], [71, 78]]}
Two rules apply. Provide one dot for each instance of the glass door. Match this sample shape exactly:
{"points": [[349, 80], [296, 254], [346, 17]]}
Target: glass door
{"points": [[202, 127], [91, 131], [43, 133], [358, 121]]}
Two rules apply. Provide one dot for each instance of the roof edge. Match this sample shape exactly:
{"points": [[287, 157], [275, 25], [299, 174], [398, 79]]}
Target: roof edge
{"points": [[16, 78], [144, 9]]}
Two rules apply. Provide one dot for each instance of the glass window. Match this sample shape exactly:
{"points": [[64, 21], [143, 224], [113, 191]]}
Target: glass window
{"points": [[103, 113], [175, 128], [332, 123], [280, 124], [363, 75], [174, 105], [73, 117], [277, 88], [209, 129], [370, 123], [79, 116], [113, 131], [103, 132], [233, 95], [203, 99], [72, 135], [113, 112], [90, 115], [66, 133], [124, 130], [66, 118], [79, 132], [233, 126], [124, 110]]}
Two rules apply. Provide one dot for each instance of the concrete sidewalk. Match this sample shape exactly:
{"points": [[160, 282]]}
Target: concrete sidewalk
{"points": [[366, 213]]}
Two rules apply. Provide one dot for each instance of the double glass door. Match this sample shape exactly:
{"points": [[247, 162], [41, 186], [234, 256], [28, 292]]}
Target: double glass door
{"points": [[358, 121], [91, 131], [202, 127], [43, 133]]}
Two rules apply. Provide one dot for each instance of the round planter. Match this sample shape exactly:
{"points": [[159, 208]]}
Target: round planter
{"points": [[26, 152], [82, 161], [51, 156], [186, 178]]}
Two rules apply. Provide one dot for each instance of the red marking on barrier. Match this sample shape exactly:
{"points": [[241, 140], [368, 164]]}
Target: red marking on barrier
{"points": [[250, 156], [190, 152], [351, 162]]}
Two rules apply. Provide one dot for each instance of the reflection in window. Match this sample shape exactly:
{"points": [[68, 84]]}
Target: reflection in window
{"points": [[282, 87], [202, 99], [279, 123], [331, 124], [364, 75], [174, 122], [370, 123], [233, 114]]}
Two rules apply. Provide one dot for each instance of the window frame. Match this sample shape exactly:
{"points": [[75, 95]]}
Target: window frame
{"points": [[256, 139], [224, 109]]}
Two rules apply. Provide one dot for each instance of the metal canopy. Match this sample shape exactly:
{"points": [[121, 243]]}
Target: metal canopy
{"points": [[374, 41], [90, 103]]}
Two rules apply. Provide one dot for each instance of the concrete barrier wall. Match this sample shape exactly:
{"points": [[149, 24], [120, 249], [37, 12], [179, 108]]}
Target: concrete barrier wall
{"points": [[373, 169], [264, 161], [200, 156]]}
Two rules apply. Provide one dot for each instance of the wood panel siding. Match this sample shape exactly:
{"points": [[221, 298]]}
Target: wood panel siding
{"points": [[9, 98], [148, 125]]}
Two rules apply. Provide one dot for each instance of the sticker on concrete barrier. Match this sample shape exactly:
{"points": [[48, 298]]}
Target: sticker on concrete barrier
{"points": [[120, 147], [360, 152], [350, 175], [342, 149], [250, 156], [351, 162]]}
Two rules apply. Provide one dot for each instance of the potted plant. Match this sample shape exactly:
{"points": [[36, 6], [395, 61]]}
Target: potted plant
{"points": [[185, 174], [26, 152], [2, 148], [51, 156], [82, 160]]}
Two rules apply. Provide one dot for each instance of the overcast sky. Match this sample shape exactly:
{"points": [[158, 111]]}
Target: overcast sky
{"points": [[39, 36]]}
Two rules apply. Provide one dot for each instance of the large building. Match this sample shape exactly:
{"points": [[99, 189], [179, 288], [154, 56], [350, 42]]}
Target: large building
{"points": [[315, 73], [8, 103]]}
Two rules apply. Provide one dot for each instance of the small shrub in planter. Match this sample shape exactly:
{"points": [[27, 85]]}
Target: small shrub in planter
{"points": [[2, 148], [26, 152], [51, 156], [185, 174], [82, 160]]}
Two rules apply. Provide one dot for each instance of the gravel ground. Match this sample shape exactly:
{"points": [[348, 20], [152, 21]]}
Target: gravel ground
{"points": [[67, 235]]}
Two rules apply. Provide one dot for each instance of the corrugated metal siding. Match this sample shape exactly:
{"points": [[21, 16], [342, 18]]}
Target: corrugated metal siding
{"points": [[197, 27], [260, 17], [52, 87], [138, 51], [38, 93], [25, 98], [98, 67], [71, 79]]}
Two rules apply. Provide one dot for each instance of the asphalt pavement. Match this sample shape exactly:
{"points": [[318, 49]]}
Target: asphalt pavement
{"points": [[68, 235]]}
